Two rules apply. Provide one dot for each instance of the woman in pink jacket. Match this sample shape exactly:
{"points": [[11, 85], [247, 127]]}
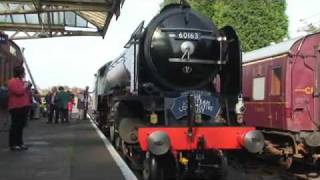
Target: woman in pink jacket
{"points": [[18, 105]]}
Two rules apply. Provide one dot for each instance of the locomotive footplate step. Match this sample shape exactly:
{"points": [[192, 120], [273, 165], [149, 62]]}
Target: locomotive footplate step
{"points": [[71, 151]]}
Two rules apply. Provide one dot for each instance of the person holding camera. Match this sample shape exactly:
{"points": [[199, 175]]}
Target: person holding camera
{"points": [[18, 105]]}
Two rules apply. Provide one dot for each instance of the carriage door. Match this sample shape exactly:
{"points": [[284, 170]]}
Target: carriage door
{"points": [[317, 85], [2, 81], [276, 95]]}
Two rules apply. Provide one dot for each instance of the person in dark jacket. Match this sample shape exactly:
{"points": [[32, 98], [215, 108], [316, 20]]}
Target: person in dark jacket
{"points": [[18, 105], [51, 106], [61, 100]]}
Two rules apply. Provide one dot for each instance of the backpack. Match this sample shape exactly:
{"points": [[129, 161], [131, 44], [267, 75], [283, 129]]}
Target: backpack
{"points": [[4, 97]]}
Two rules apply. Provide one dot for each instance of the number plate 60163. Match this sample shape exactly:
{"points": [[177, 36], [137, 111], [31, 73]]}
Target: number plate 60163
{"points": [[188, 35]]}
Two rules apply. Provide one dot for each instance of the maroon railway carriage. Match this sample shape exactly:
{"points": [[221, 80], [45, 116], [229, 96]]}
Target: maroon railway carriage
{"points": [[281, 85], [10, 56]]}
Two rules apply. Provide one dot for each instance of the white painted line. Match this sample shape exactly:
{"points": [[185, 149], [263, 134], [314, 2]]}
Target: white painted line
{"points": [[127, 173]]}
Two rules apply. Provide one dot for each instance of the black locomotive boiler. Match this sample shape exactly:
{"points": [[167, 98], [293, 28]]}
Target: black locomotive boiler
{"points": [[171, 103]]}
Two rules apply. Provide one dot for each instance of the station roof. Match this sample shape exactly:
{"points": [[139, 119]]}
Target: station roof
{"points": [[54, 18]]}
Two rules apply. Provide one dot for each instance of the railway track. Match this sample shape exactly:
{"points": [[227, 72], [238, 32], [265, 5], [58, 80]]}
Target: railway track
{"points": [[245, 166]]}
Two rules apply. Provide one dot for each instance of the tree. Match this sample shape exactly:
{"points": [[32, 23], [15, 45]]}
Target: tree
{"points": [[166, 2], [258, 23]]}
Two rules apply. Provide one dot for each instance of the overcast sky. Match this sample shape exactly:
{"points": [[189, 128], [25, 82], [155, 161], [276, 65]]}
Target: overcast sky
{"points": [[73, 61]]}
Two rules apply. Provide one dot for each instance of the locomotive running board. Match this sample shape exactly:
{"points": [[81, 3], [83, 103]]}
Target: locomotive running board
{"points": [[226, 138], [196, 61]]}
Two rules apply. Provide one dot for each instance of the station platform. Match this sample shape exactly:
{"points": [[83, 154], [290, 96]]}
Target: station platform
{"points": [[74, 151]]}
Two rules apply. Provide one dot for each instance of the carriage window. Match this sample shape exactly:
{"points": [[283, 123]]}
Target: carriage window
{"points": [[276, 81], [258, 88]]}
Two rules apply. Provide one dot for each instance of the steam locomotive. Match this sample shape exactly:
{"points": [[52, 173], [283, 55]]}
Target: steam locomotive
{"points": [[171, 103]]}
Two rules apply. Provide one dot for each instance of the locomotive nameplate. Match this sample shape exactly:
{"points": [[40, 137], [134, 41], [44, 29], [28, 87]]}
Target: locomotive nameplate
{"points": [[205, 104]]}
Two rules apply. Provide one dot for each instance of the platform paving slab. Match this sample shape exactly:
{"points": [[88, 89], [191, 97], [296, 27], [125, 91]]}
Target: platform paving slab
{"points": [[71, 151]]}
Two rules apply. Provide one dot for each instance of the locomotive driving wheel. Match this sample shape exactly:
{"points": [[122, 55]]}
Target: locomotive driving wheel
{"points": [[115, 138], [111, 133], [152, 169], [220, 172], [117, 143]]}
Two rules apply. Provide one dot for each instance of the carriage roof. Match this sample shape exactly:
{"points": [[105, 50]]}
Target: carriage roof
{"points": [[269, 51]]}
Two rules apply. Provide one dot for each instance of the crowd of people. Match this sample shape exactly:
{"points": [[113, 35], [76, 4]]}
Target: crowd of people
{"points": [[59, 105]]}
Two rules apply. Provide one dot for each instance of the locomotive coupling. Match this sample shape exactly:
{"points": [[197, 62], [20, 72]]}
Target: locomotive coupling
{"points": [[253, 141], [158, 143]]}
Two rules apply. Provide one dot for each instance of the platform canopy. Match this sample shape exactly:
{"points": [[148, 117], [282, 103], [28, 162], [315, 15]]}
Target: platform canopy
{"points": [[29, 19]]}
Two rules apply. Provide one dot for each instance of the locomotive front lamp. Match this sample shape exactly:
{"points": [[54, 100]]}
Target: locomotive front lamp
{"points": [[240, 108], [158, 143], [253, 141], [153, 118]]}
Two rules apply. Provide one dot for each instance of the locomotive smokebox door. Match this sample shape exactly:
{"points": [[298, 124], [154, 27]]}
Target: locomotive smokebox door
{"points": [[181, 49]]}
